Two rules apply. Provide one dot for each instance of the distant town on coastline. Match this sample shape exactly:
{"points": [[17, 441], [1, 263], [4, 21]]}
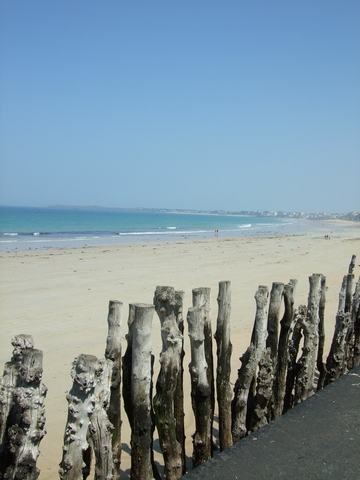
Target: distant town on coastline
{"points": [[351, 216]]}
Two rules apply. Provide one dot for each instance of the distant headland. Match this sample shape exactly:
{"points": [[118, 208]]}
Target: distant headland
{"points": [[350, 216]]}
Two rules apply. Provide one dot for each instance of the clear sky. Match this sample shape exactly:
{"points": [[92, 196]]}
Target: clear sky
{"points": [[203, 104]]}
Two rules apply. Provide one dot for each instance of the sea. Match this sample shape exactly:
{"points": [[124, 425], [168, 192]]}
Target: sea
{"points": [[27, 227]]}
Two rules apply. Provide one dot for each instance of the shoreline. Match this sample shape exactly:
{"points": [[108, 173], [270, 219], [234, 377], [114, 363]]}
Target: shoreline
{"points": [[298, 227]]}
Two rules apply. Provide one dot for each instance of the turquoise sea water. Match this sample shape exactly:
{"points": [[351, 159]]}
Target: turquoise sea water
{"points": [[22, 227]]}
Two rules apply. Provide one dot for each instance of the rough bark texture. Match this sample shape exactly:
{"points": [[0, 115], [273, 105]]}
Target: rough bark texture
{"points": [[320, 355], [170, 358], [76, 458], [355, 316], [293, 367], [100, 428], [113, 352], [247, 372], [282, 359], [127, 367], [275, 303], [264, 389], [179, 391], [142, 464], [336, 361], [200, 387], [304, 387], [201, 298], [224, 349], [22, 412]]}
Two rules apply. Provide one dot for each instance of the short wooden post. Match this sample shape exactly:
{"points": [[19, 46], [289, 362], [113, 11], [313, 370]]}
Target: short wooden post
{"points": [[170, 358], [76, 458], [223, 371], [22, 411], [113, 352], [200, 387]]}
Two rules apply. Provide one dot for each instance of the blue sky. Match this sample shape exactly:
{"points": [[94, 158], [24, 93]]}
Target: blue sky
{"points": [[204, 104]]}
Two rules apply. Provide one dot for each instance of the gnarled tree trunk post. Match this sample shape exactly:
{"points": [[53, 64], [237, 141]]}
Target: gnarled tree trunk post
{"points": [[170, 358], [355, 315], [179, 391], [293, 367], [23, 415], [304, 386], [100, 428], [350, 337], [224, 349], [76, 458], [247, 372], [127, 367], [142, 464], [336, 361], [113, 352], [320, 355], [282, 359], [275, 302], [265, 378], [201, 298], [200, 388]]}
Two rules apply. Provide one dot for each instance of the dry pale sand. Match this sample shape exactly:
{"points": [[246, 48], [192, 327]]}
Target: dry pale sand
{"points": [[60, 296]]}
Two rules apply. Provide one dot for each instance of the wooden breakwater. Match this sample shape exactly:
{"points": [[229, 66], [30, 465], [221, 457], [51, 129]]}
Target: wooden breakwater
{"points": [[283, 365]]}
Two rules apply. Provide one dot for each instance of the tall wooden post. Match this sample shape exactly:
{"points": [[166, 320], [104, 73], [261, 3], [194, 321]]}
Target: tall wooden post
{"points": [[223, 371], [170, 358], [201, 298], [179, 391], [113, 352], [282, 359], [200, 387], [355, 315], [142, 464], [304, 387], [247, 372]]}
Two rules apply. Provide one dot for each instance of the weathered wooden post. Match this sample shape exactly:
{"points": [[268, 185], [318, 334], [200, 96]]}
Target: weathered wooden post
{"points": [[87, 373], [139, 407], [170, 358], [355, 315], [336, 363], [201, 298], [275, 302], [320, 355], [247, 372], [264, 389], [179, 391], [350, 337], [200, 388], [113, 353], [304, 386], [282, 359], [100, 428], [224, 350], [293, 366], [22, 412]]}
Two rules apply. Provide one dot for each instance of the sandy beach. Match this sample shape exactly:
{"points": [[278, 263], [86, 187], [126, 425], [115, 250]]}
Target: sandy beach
{"points": [[60, 296]]}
